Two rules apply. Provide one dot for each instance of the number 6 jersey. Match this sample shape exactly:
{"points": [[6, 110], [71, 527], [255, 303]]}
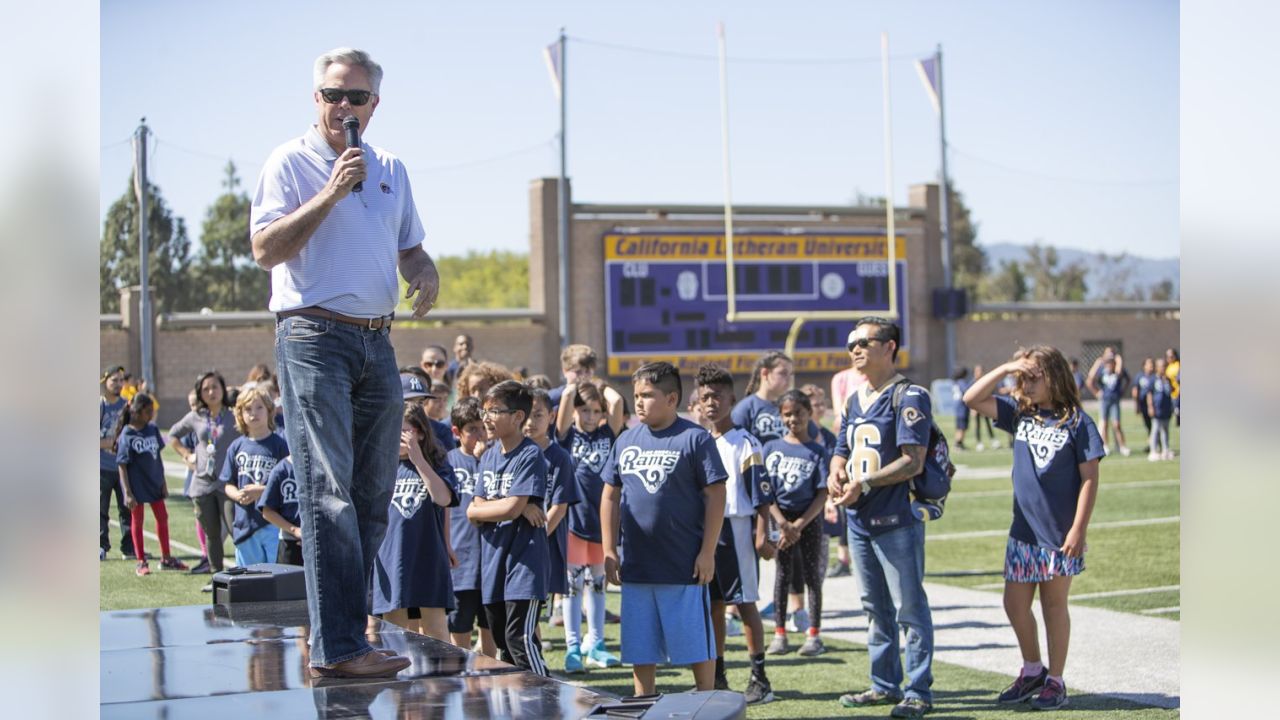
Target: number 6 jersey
{"points": [[872, 437]]}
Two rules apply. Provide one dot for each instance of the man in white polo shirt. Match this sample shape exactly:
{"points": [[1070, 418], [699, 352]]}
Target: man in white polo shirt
{"points": [[333, 253]]}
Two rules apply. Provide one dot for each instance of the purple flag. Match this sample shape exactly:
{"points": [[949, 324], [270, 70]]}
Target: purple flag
{"points": [[928, 69], [551, 54]]}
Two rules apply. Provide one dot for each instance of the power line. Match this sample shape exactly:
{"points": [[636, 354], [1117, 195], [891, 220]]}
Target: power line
{"points": [[1059, 178], [745, 60], [495, 158]]}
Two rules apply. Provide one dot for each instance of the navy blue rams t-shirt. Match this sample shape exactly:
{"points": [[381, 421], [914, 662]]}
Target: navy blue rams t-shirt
{"points": [[411, 568], [758, 417], [797, 470], [561, 489], [662, 475], [872, 437], [590, 452], [281, 495], [513, 559], [139, 451], [464, 536], [1046, 470], [251, 461], [108, 416]]}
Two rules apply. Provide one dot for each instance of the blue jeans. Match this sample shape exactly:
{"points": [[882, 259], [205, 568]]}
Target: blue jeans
{"points": [[891, 574], [342, 398]]}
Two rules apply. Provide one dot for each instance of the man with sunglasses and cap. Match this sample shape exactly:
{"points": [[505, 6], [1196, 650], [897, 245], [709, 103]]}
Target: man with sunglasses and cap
{"points": [[110, 405], [334, 224]]}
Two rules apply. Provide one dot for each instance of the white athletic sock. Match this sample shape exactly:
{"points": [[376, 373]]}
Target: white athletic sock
{"points": [[1032, 669]]}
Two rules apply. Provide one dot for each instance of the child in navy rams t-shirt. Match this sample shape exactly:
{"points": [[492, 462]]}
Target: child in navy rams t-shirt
{"points": [[1056, 449], [797, 468], [279, 506], [249, 462], [562, 490], [586, 428], [142, 478], [663, 501], [411, 583], [464, 536], [513, 559]]}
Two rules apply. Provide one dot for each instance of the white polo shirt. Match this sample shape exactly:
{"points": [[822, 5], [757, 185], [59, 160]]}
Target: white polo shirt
{"points": [[349, 264]]}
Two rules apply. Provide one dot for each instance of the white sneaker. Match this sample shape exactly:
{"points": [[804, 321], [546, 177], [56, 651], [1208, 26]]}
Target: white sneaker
{"points": [[979, 447], [1168, 454], [799, 621], [1124, 451], [1152, 457], [995, 444]]}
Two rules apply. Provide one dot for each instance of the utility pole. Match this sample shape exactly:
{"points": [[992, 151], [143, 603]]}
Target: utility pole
{"points": [[144, 248]]}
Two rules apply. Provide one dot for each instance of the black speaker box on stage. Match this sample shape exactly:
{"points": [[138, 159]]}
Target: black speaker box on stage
{"points": [[706, 705], [261, 582]]}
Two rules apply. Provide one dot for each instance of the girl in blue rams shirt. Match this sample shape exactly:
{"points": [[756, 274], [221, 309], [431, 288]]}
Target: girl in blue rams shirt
{"points": [[1056, 449], [412, 584], [142, 478]]}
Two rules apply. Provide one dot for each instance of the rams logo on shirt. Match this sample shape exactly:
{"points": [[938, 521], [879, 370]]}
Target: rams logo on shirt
{"points": [[466, 481], [147, 445], [254, 468], [789, 471], [651, 466], [289, 490], [496, 486], [1045, 441], [594, 454], [912, 415], [409, 497], [767, 426]]}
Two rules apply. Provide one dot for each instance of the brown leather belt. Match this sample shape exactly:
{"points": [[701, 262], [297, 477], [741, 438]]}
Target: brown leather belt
{"points": [[376, 323]]}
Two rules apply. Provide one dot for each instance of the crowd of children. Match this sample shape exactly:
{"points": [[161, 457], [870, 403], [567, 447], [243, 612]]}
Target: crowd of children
{"points": [[509, 495]]}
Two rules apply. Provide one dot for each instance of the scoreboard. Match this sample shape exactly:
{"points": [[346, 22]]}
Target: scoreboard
{"points": [[666, 296]]}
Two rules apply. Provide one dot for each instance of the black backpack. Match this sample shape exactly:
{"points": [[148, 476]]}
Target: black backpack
{"points": [[930, 488]]}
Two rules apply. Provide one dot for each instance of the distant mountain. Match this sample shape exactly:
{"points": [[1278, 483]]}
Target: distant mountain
{"points": [[1132, 272]]}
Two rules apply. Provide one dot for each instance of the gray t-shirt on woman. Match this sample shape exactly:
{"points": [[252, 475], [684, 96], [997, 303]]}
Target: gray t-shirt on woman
{"points": [[213, 437]]}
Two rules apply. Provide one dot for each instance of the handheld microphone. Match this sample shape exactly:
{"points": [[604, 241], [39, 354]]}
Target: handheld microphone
{"points": [[352, 127]]}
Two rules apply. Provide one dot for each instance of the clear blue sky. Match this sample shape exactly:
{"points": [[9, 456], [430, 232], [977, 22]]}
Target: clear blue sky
{"points": [[1063, 116]]}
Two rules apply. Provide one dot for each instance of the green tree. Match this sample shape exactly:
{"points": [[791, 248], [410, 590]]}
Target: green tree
{"points": [[226, 276], [494, 279], [968, 260], [1009, 284], [1049, 282], [1162, 291], [169, 253]]}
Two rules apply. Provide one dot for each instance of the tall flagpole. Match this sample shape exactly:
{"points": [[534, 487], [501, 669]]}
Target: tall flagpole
{"points": [[891, 235], [947, 278], [562, 211]]}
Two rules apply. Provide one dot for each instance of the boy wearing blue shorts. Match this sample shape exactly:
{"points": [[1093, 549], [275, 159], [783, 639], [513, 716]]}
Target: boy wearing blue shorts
{"points": [[663, 500]]}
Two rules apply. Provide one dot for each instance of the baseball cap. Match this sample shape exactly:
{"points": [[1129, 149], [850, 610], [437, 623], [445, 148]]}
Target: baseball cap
{"points": [[411, 386], [110, 370]]}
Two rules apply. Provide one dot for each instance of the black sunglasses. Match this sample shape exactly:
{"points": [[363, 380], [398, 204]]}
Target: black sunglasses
{"points": [[334, 96], [864, 343], [435, 363]]}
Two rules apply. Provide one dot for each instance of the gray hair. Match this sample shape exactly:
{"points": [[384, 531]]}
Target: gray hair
{"points": [[348, 56]]}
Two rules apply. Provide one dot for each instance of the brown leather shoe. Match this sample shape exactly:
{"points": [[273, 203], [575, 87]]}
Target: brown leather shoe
{"points": [[372, 664]]}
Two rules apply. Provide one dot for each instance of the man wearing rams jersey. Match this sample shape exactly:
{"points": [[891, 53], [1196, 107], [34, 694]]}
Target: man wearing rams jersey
{"points": [[879, 449]]}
